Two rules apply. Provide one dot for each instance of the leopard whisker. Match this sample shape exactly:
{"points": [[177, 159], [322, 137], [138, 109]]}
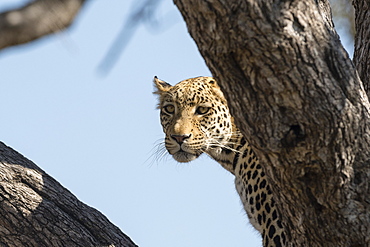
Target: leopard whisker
{"points": [[227, 145], [159, 152]]}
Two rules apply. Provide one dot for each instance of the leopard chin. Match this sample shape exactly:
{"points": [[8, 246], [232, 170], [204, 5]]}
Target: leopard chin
{"points": [[183, 157]]}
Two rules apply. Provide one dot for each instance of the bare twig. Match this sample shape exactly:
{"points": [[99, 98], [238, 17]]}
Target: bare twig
{"points": [[142, 13]]}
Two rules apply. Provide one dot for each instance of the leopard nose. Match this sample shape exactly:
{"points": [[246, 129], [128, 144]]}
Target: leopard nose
{"points": [[180, 138]]}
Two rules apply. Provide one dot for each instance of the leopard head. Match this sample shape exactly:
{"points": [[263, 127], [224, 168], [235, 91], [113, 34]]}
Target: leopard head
{"points": [[194, 116]]}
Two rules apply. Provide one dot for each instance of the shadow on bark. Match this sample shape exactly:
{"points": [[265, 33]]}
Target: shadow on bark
{"points": [[35, 210]]}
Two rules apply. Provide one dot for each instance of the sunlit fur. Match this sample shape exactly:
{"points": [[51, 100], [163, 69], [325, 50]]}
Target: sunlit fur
{"points": [[185, 120], [196, 119]]}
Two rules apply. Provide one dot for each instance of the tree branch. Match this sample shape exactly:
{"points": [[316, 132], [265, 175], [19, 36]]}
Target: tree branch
{"points": [[36, 19], [296, 96], [35, 210]]}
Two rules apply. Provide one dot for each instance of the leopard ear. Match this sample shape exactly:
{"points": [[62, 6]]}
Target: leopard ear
{"points": [[161, 86]]}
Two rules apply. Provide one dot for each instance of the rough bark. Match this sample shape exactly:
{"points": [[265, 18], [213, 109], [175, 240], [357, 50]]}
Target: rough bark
{"points": [[35, 210], [36, 19], [297, 98], [362, 41]]}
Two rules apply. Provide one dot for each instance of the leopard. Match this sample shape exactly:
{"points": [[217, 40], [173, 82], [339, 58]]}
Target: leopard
{"points": [[195, 118]]}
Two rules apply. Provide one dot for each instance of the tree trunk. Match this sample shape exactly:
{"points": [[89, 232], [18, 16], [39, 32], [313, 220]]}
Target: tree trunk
{"points": [[362, 41], [297, 97], [35, 210], [36, 19]]}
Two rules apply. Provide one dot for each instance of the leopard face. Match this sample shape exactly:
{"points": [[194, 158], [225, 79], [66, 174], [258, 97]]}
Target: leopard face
{"points": [[194, 116]]}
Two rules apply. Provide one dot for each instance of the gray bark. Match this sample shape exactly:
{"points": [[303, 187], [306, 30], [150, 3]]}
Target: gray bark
{"points": [[36, 19], [362, 41], [35, 210], [297, 97]]}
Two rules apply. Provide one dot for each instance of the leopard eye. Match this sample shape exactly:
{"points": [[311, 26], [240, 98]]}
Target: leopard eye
{"points": [[170, 109], [201, 110]]}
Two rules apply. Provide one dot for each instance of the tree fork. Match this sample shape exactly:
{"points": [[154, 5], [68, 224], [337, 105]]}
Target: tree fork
{"points": [[296, 96]]}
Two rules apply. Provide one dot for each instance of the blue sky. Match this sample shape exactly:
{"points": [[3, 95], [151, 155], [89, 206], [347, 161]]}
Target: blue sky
{"points": [[97, 134]]}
